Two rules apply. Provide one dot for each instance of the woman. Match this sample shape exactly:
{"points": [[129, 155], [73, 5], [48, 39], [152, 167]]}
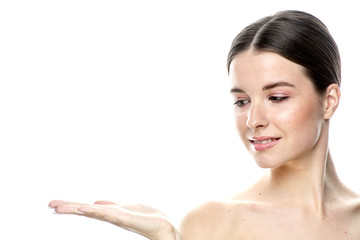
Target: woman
{"points": [[285, 76]]}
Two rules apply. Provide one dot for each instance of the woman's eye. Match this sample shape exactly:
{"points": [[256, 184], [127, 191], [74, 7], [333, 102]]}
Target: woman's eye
{"points": [[241, 103], [277, 99]]}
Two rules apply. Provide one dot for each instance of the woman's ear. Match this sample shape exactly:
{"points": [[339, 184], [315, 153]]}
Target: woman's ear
{"points": [[331, 100]]}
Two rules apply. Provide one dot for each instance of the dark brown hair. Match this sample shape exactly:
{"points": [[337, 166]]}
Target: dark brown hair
{"points": [[300, 38]]}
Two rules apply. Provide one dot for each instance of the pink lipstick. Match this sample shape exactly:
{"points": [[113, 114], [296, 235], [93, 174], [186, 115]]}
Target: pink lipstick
{"points": [[264, 143]]}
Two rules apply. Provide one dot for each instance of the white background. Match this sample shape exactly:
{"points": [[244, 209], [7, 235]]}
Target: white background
{"points": [[129, 101]]}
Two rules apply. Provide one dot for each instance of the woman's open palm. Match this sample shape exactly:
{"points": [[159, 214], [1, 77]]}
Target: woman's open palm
{"points": [[140, 219]]}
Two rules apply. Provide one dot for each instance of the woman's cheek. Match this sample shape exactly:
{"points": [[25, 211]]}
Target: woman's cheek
{"points": [[302, 122]]}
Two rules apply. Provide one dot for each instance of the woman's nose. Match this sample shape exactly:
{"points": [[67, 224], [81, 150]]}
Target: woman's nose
{"points": [[256, 117]]}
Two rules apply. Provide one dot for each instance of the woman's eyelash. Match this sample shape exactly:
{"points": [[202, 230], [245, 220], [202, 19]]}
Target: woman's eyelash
{"points": [[278, 98], [241, 103]]}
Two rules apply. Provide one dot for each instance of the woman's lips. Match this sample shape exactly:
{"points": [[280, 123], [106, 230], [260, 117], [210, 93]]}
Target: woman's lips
{"points": [[264, 143]]}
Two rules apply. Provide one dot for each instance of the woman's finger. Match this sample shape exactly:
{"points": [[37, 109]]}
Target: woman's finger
{"points": [[55, 203], [103, 202], [110, 213], [64, 207]]}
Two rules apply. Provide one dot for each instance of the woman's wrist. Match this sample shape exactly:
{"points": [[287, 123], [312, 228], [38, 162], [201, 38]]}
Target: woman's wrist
{"points": [[168, 232]]}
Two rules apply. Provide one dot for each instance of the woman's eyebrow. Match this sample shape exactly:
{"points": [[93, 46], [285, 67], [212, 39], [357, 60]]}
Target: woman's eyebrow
{"points": [[266, 87], [277, 84], [236, 90]]}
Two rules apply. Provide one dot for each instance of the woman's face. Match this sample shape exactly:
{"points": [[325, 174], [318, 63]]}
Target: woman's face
{"points": [[279, 115]]}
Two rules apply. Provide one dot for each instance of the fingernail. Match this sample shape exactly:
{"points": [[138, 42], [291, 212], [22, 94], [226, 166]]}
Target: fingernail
{"points": [[79, 212]]}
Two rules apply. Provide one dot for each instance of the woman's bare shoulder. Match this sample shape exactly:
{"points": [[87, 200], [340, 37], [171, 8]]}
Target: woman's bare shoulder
{"points": [[203, 221], [355, 209], [351, 201]]}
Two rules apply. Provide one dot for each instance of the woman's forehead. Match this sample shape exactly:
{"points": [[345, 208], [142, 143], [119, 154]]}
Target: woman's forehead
{"points": [[264, 68]]}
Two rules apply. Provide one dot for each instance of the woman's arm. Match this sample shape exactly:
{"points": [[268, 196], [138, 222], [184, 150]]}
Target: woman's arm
{"points": [[140, 219]]}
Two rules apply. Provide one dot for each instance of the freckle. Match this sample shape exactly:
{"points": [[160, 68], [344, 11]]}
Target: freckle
{"points": [[259, 193], [323, 219], [345, 232], [243, 219], [229, 210]]}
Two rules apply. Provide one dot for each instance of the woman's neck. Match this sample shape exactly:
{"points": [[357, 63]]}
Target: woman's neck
{"points": [[310, 185]]}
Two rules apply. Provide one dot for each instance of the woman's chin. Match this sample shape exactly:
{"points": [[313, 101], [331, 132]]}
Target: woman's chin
{"points": [[266, 163]]}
